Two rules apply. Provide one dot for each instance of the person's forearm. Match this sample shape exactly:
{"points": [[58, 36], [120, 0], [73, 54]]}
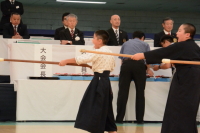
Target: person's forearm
{"points": [[165, 66], [148, 66], [67, 61], [71, 60]]}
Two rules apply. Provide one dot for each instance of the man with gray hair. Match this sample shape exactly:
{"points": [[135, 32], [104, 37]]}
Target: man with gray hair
{"points": [[117, 36], [71, 35]]}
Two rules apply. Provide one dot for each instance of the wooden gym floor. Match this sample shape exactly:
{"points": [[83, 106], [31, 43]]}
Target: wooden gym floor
{"points": [[67, 127]]}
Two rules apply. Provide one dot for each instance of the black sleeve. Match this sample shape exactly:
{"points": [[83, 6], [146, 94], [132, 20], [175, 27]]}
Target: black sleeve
{"points": [[62, 35], [25, 32], [126, 36], [171, 52], [56, 36], [6, 33], [81, 41], [5, 10], [110, 42], [157, 41]]}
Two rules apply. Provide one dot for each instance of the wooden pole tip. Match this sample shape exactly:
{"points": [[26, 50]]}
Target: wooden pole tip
{"points": [[82, 50], [1, 59], [165, 60]]}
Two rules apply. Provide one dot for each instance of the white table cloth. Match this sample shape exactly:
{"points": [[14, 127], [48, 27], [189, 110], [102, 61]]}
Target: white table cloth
{"points": [[59, 99]]}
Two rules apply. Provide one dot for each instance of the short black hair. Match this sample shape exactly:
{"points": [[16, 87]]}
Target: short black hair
{"points": [[15, 13], [102, 34], [65, 14], [167, 18], [138, 34], [190, 28], [166, 38]]}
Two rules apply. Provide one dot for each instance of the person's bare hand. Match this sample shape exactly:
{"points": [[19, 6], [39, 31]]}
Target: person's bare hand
{"points": [[63, 63], [150, 72], [64, 42], [156, 67], [17, 36], [138, 56]]}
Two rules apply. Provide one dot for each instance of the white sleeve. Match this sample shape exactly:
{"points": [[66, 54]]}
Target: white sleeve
{"points": [[86, 58]]}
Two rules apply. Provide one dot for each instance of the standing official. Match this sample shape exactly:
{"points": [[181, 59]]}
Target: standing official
{"points": [[117, 36], [133, 70]]}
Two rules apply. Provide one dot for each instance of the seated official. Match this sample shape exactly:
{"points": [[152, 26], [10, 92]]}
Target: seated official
{"points": [[7, 8], [72, 35], [14, 29], [64, 21], [167, 30], [165, 41]]}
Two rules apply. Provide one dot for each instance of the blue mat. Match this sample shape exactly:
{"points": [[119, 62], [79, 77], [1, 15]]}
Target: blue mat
{"points": [[111, 78]]}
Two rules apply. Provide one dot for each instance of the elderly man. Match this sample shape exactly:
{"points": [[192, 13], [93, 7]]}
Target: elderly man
{"points": [[117, 36], [64, 21], [72, 35], [14, 29], [167, 28]]}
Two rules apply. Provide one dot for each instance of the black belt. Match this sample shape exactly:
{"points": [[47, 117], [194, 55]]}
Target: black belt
{"points": [[125, 59]]}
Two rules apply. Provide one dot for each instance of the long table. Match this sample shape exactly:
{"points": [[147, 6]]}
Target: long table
{"points": [[58, 100], [59, 52]]}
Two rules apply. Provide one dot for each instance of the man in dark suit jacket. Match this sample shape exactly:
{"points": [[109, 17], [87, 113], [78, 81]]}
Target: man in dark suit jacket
{"points": [[7, 7], [72, 35], [64, 21], [117, 36], [14, 29], [168, 26]]}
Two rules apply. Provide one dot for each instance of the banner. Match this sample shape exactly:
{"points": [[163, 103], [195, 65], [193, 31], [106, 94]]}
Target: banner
{"points": [[43, 52]]}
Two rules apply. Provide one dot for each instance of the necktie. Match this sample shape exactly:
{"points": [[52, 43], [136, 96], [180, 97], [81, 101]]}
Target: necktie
{"points": [[117, 36], [168, 34], [15, 30], [72, 33]]}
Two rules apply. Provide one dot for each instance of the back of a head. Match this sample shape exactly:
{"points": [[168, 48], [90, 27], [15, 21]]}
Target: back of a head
{"points": [[190, 28], [72, 15], [65, 14], [167, 37], [138, 34], [102, 34], [167, 18]]}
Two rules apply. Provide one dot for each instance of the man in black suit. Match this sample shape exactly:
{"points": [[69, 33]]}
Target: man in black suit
{"points": [[71, 35], [168, 26], [64, 21], [117, 36], [7, 7], [14, 29]]}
